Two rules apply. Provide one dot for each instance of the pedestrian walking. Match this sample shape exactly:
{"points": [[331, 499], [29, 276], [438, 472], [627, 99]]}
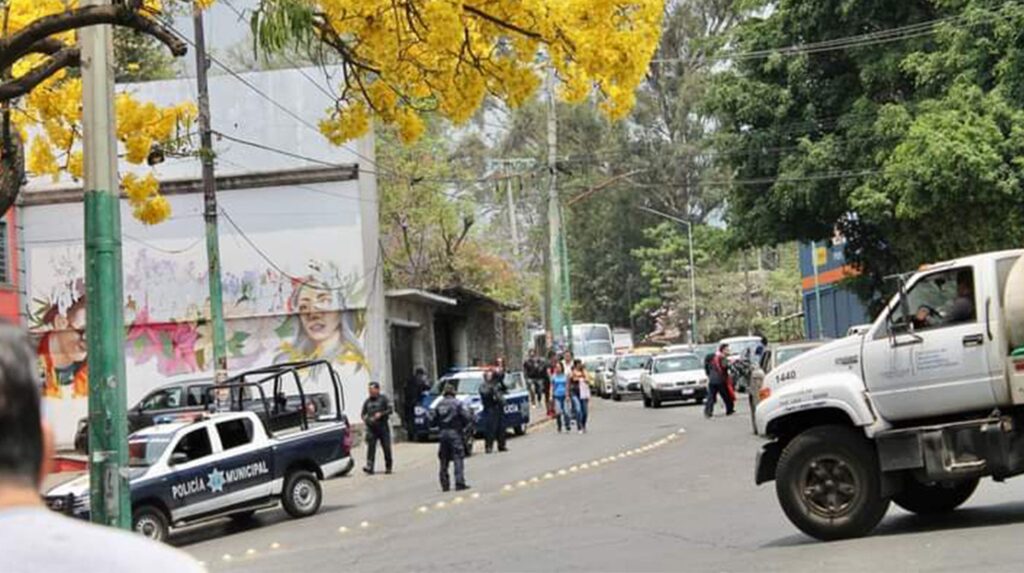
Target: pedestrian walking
{"points": [[377, 410], [580, 396], [452, 418], [32, 537], [718, 382], [414, 389], [492, 396], [559, 391], [536, 372]]}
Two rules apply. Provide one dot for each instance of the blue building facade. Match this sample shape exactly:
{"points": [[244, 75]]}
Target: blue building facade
{"points": [[840, 308]]}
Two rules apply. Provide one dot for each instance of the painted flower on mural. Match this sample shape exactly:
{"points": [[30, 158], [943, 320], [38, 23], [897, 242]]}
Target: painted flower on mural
{"points": [[172, 345]]}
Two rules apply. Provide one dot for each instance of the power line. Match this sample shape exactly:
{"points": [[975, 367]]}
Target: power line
{"points": [[896, 34]]}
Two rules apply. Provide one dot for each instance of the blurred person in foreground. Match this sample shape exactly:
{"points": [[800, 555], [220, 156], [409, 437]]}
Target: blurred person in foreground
{"points": [[33, 538]]}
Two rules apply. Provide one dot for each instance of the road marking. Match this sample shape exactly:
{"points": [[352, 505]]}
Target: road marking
{"points": [[423, 509], [522, 483], [202, 564], [534, 479], [507, 488], [342, 529], [681, 431], [458, 499], [275, 545], [364, 524], [549, 475], [584, 466], [574, 469], [562, 472], [475, 495], [250, 552], [226, 557], [440, 505]]}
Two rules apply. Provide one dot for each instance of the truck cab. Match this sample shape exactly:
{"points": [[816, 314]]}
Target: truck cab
{"points": [[914, 409]]}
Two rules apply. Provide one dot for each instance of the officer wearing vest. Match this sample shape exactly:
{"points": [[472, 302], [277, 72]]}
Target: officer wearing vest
{"points": [[452, 420]]}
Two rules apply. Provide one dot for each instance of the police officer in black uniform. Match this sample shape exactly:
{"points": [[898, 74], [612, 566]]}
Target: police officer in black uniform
{"points": [[376, 411], [492, 396], [452, 420]]}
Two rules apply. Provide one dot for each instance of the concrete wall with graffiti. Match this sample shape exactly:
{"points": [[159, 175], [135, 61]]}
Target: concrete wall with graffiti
{"points": [[296, 286]]}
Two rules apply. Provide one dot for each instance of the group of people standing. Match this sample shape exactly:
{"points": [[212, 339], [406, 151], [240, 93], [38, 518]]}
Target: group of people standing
{"points": [[561, 383]]}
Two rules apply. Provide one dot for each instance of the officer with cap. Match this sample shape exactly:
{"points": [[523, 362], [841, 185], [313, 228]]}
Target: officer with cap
{"points": [[453, 418], [376, 411]]}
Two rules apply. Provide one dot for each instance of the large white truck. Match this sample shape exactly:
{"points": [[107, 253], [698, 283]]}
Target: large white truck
{"points": [[915, 410]]}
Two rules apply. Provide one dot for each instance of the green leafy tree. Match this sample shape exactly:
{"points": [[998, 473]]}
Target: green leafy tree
{"points": [[140, 58], [909, 146]]}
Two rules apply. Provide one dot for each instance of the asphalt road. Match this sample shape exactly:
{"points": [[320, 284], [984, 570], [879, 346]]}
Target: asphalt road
{"points": [[683, 500]]}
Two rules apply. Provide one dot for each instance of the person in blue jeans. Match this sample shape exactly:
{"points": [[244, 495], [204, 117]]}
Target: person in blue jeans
{"points": [[579, 390], [559, 388]]}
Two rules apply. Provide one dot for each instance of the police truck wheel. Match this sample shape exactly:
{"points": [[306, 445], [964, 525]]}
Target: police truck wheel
{"points": [[934, 498], [150, 522], [829, 485], [302, 494]]}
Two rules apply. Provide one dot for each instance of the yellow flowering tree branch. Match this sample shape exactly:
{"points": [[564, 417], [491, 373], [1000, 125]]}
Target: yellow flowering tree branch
{"points": [[42, 101], [401, 59]]}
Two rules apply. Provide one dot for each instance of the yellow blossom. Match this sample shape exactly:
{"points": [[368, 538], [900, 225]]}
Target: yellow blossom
{"points": [[152, 211]]}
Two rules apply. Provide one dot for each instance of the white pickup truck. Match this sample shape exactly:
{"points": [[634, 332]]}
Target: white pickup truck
{"points": [[915, 410]]}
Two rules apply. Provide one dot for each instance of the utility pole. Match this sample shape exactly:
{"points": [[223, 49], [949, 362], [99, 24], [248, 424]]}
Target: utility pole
{"points": [[512, 222], [220, 358], [746, 286], [817, 289], [556, 315], [109, 501]]}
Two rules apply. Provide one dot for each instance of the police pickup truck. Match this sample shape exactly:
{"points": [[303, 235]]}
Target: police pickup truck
{"points": [[222, 465], [914, 410], [232, 463]]}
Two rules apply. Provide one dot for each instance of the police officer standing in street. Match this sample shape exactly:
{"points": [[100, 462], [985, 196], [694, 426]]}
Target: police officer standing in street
{"points": [[492, 396], [452, 418], [376, 411]]}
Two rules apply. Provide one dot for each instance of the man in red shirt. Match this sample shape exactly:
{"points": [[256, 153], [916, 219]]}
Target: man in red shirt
{"points": [[718, 382]]}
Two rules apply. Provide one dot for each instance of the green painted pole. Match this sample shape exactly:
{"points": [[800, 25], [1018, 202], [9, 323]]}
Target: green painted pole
{"points": [[566, 285], [108, 422], [220, 357], [556, 318]]}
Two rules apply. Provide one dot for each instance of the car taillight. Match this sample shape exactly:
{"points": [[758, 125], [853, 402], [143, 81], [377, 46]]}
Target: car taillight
{"points": [[764, 393]]}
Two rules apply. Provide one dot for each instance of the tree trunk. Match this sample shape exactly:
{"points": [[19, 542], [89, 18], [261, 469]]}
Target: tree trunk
{"points": [[12, 172]]}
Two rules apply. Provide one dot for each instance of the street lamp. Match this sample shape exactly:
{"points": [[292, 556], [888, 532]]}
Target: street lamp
{"points": [[693, 278]]}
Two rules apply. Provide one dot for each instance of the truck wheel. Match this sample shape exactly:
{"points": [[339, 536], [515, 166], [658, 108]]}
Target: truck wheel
{"points": [[150, 522], [302, 494], [828, 483], [934, 498]]}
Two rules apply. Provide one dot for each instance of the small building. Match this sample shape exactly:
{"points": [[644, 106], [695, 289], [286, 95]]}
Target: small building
{"points": [[840, 307], [299, 250]]}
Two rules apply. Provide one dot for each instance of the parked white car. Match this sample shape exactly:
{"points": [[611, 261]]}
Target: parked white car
{"points": [[674, 377]]}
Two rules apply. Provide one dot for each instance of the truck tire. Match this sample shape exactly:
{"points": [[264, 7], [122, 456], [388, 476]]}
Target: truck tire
{"points": [[829, 485], [934, 498], [302, 495], [150, 522]]}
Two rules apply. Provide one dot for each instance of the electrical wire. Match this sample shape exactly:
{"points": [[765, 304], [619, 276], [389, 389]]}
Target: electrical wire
{"points": [[896, 34]]}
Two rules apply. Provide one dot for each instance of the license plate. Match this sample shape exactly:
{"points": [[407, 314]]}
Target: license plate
{"points": [[687, 391]]}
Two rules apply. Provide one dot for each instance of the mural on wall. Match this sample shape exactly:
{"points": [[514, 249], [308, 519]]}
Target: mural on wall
{"points": [[59, 321], [271, 318]]}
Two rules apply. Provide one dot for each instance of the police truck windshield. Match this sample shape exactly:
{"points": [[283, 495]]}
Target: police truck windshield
{"points": [[144, 452], [463, 385]]}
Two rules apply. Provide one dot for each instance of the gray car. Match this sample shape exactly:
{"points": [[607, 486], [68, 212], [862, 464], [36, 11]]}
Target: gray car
{"points": [[626, 373]]}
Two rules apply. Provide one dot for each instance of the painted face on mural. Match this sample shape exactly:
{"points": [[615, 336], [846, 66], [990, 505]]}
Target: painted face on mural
{"points": [[321, 323], [67, 344]]}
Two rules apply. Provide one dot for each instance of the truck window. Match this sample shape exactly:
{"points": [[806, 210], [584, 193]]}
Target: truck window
{"points": [[941, 299], [196, 396], [234, 433], [163, 399], [195, 445]]}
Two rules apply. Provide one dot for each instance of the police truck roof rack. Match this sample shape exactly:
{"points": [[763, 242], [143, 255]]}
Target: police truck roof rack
{"points": [[256, 378]]}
